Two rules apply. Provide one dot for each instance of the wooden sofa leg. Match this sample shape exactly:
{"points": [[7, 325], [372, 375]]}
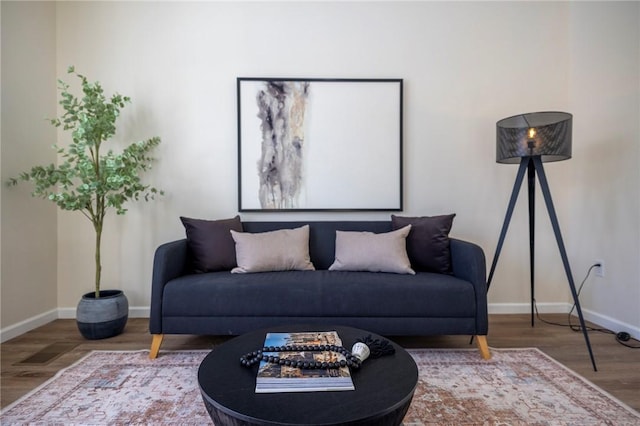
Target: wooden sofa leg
{"points": [[483, 346], [155, 345]]}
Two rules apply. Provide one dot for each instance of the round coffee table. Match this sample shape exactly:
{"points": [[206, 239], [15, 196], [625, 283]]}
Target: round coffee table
{"points": [[383, 387]]}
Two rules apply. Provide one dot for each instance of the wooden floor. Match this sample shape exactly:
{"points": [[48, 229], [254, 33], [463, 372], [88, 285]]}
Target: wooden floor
{"points": [[618, 367]]}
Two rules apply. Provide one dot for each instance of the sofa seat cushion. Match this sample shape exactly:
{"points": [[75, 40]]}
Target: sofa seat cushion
{"points": [[425, 294], [319, 293]]}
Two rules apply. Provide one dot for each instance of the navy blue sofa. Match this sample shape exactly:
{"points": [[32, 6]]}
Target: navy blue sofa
{"points": [[222, 303]]}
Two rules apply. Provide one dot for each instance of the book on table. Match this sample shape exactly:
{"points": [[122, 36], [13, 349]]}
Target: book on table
{"points": [[273, 378]]}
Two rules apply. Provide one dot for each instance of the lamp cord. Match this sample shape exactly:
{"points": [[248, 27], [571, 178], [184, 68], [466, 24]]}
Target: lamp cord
{"points": [[621, 337]]}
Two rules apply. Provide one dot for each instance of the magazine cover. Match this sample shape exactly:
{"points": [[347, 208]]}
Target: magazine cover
{"points": [[274, 378]]}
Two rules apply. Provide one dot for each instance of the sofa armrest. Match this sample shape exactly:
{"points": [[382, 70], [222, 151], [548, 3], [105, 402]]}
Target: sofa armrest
{"points": [[169, 262], [468, 263]]}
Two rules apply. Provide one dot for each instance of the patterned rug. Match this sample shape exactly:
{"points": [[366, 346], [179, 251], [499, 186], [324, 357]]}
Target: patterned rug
{"points": [[456, 387]]}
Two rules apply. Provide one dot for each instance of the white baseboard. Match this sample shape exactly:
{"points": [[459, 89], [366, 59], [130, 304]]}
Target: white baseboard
{"points": [[29, 324], [134, 312], [611, 323], [525, 308], [66, 313], [139, 312], [604, 321], [564, 308]]}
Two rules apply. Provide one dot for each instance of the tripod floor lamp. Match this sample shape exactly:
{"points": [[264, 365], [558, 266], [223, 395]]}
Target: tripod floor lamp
{"points": [[529, 140]]}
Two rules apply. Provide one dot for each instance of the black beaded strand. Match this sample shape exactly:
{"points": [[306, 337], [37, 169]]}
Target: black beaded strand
{"points": [[255, 357]]}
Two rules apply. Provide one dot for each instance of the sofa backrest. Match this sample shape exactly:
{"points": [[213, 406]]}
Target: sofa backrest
{"points": [[322, 235]]}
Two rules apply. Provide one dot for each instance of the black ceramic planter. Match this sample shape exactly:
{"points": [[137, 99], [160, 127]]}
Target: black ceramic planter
{"points": [[103, 317]]}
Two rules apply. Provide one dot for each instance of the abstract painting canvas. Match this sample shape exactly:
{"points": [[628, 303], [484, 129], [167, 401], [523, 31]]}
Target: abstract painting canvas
{"points": [[319, 144]]}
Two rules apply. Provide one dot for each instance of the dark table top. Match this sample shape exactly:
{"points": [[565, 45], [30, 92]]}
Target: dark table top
{"points": [[382, 385]]}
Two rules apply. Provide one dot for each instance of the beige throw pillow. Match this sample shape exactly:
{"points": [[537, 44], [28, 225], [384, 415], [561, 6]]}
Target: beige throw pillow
{"points": [[366, 251], [281, 250]]}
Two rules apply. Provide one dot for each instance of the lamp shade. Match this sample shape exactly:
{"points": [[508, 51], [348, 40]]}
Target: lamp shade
{"points": [[544, 134]]}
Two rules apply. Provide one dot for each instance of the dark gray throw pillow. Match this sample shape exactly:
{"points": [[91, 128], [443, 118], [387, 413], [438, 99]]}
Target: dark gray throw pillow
{"points": [[210, 243], [428, 244]]}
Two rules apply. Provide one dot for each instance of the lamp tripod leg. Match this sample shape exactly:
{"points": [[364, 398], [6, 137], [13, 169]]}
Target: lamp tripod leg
{"points": [[531, 180], [544, 185], [507, 219]]}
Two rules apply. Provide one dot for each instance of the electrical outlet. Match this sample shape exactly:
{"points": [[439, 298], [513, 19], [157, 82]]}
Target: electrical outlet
{"points": [[599, 270]]}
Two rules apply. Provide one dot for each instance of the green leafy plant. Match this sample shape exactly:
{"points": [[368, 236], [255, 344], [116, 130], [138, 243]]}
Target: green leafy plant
{"points": [[86, 179]]}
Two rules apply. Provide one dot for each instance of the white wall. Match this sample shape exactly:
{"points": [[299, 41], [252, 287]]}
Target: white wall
{"points": [[179, 63], [604, 175], [465, 65], [29, 258]]}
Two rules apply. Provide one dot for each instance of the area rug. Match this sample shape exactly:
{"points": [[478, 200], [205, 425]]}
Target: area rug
{"points": [[456, 387]]}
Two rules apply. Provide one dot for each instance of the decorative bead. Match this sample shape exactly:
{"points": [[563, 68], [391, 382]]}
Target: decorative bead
{"points": [[351, 360]]}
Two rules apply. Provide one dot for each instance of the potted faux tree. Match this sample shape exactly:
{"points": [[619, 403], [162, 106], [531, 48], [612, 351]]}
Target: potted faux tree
{"points": [[94, 182]]}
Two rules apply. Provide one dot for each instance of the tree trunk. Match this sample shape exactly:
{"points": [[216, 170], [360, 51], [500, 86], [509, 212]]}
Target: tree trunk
{"points": [[98, 228]]}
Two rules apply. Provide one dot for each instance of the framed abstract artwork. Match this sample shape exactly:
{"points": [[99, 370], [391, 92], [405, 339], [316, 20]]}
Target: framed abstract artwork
{"points": [[319, 144]]}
